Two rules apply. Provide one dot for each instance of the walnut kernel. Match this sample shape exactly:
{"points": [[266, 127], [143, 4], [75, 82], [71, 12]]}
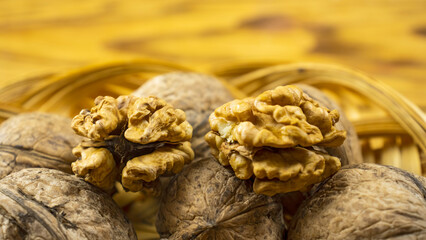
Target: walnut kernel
{"points": [[278, 137], [133, 139]]}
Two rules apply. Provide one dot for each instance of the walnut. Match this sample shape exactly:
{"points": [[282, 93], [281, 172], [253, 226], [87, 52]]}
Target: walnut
{"points": [[364, 201], [278, 137], [40, 203], [36, 140], [196, 94], [207, 201], [349, 152], [134, 140]]}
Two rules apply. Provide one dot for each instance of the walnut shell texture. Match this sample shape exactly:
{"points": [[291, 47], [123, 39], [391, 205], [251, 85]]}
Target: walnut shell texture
{"points": [[364, 201], [196, 94], [207, 201], [40, 203], [36, 140]]}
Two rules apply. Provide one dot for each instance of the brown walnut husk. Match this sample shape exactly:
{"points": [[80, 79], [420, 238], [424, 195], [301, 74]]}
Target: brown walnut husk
{"points": [[131, 139], [207, 201], [36, 140], [278, 137], [364, 201], [196, 94], [40, 203]]}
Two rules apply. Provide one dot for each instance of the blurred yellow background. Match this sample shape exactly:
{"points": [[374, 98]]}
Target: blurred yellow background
{"points": [[384, 38]]}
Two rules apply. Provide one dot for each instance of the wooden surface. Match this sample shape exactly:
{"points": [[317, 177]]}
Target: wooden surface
{"points": [[384, 38]]}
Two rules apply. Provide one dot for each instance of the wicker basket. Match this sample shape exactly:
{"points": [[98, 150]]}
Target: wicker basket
{"points": [[391, 128]]}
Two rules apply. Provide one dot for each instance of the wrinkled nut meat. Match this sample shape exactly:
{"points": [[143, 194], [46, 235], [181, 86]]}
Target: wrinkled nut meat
{"points": [[41, 203], [36, 140], [196, 94], [364, 201], [207, 201], [278, 137], [135, 139], [350, 151]]}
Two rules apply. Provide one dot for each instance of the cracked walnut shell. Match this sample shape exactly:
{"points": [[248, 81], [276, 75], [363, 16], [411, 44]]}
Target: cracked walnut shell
{"points": [[279, 137], [131, 139]]}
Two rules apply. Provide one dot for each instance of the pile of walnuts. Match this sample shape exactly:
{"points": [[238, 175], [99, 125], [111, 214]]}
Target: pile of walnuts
{"points": [[281, 165]]}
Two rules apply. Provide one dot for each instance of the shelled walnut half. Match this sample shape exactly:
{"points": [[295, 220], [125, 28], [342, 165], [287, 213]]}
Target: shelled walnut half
{"points": [[279, 137], [133, 140]]}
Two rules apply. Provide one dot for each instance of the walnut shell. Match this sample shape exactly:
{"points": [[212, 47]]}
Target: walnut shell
{"points": [[207, 201], [196, 94], [36, 140], [40, 203], [364, 201]]}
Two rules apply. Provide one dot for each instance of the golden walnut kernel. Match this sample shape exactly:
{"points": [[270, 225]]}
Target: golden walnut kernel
{"points": [[135, 139], [278, 137]]}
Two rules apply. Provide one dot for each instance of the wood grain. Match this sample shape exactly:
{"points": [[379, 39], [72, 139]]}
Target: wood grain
{"points": [[41, 41], [386, 39]]}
